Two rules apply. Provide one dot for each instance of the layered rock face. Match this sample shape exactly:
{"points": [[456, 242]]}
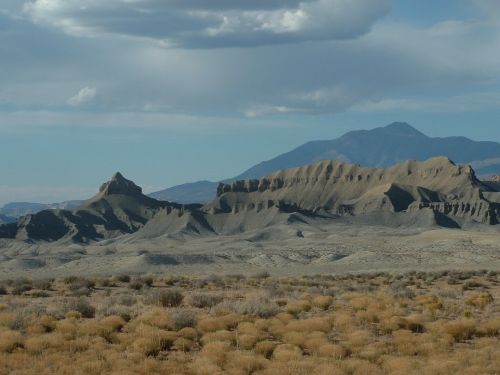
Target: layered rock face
{"points": [[349, 189]]}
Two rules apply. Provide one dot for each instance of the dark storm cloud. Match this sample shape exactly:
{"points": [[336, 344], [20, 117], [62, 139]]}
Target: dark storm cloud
{"points": [[210, 24]]}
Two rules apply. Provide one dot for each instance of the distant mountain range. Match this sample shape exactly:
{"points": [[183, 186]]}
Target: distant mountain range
{"points": [[18, 209], [431, 193], [379, 147], [6, 219]]}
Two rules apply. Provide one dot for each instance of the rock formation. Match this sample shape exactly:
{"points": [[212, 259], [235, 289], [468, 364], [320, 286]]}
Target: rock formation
{"points": [[433, 192], [349, 189], [118, 208]]}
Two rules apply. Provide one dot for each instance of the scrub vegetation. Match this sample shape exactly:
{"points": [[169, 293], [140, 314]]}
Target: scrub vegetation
{"points": [[414, 323]]}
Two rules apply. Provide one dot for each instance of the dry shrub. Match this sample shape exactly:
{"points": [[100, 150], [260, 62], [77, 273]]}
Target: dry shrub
{"points": [[105, 328], [183, 344], [285, 317], [254, 305], [430, 302], [151, 340], [40, 324], [156, 317], [10, 340], [204, 300], [314, 341], [203, 365], [359, 301], [322, 302], [246, 341], [405, 342], [334, 351], [36, 345], [244, 363], [232, 320], [328, 369], [188, 333], [360, 367], [219, 336], [216, 352], [344, 322], [82, 305], [460, 329], [358, 339], [248, 328], [294, 338], [184, 318], [164, 297], [490, 327], [265, 348], [211, 324], [287, 352], [67, 328], [310, 325], [297, 306], [479, 300], [398, 365]]}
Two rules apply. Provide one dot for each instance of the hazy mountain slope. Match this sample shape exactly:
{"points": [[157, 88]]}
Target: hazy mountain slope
{"points": [[6, 219], [18, 209], [195, 192], [378, 147]]}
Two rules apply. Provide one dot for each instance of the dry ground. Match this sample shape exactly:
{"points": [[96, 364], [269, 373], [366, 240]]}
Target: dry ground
{"points": [[384, 323]]}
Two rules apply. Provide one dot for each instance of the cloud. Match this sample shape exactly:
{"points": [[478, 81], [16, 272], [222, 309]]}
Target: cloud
{"points": [[212, 24], [83, 96], [458, 103]]}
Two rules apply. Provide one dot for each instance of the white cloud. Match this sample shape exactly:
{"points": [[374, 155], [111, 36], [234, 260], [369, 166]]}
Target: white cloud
{"points": [[83, 96], [264, 110], [25, 120], [458, 103], [223, 24]]}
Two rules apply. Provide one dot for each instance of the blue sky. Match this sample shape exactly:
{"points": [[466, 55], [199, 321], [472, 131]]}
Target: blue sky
{"points": [[171, 91]]}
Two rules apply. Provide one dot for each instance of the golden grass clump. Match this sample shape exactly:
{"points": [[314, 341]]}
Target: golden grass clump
{"points": [[216, 351], [310, 325], [479, 300], [322, 302], [265, 347], [10, 340], [244, 363], [460, 330], [219, 336], [297, 306], [156, 317], [287, 352]]}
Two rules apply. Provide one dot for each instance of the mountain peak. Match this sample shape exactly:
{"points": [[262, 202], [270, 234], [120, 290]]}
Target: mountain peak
{"points": [[402, 128], [120, 185], [117, 177]]}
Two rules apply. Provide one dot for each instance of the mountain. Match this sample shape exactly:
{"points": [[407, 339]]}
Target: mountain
{"points": [[118, 208], [195, 192], [379, 147], [18, 209], [435, 192], [452, 193], [6, 219]]}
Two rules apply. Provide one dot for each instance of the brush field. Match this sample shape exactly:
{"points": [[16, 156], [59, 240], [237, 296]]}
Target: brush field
{"points": [[413, 323]]}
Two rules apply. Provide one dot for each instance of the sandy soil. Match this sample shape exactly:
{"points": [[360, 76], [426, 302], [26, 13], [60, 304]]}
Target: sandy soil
{"points": [[281, 250]]}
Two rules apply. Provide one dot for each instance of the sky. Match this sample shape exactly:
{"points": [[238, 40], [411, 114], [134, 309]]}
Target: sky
{"points": [[174, 91]]}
